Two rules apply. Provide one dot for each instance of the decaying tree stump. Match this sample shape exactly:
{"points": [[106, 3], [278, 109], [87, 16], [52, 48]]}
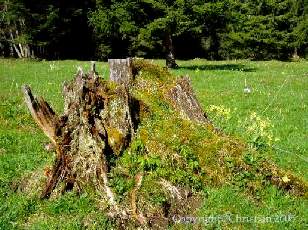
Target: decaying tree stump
{"points": [[99, 121]]}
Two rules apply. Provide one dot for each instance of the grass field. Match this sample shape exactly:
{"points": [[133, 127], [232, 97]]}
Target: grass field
{"points": [[272, 118]]}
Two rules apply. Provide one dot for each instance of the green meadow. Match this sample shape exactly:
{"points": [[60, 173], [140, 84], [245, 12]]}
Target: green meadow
{"points": [[272, 118]]}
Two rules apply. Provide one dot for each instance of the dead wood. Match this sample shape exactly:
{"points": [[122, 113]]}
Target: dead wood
{"points": [[99, 122], [96, 123], [42, 113], [121, 71], [184, 99]]}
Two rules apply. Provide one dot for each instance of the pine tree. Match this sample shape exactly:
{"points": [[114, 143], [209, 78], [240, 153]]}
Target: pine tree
{"points": [[300, 32], [143, 26], [264, 29]]}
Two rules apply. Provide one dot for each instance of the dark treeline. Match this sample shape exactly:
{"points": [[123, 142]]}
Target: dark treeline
{"points": [[100, 29]]}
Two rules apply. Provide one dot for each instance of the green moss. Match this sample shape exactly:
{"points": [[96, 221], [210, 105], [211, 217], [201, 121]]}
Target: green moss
{"points": [[150, 71], [181, 151], [115, 138]]}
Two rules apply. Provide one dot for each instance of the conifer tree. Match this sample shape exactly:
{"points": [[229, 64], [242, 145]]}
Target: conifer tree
{"points": [[150, 24]]}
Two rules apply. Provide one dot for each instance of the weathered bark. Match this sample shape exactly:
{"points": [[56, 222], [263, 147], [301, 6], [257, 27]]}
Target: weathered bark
{"points": [[121, 71], [42, 113], [184, 99], [51, 125], [170, 57]]}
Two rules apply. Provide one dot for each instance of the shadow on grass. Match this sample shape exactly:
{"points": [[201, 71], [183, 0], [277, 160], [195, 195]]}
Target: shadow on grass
{"points": [[232, 67]]}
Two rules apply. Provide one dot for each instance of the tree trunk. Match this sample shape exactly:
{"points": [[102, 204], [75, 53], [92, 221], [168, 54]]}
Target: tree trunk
{"points": [[99, 121], [14, 45], [22, 50], [170, 57]]}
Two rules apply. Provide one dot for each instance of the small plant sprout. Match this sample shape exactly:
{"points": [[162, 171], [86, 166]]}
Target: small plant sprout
{"points": [[52, 66], [247, 88]]}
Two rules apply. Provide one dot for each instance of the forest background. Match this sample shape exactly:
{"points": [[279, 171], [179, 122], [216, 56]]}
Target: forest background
{"points": [[101, 29]]}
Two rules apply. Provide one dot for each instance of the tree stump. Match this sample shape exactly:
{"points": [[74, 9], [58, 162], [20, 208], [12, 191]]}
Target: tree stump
{"points": [[125, 128], [96, 124], [99, 121]]}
